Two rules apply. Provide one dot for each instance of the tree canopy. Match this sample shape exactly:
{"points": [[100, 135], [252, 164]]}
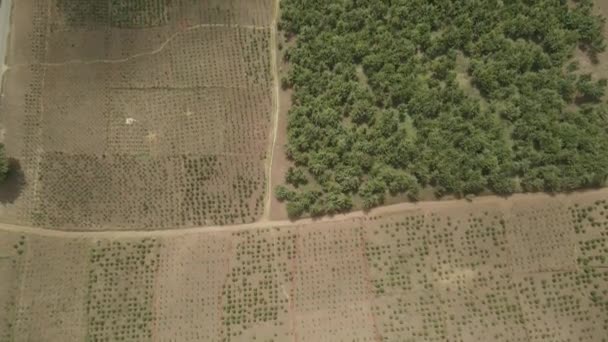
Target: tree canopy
{"points": [[535, 123]]}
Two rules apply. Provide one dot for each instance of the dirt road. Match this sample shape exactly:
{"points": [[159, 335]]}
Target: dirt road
{"points": [[501, 202], [275, 112]]}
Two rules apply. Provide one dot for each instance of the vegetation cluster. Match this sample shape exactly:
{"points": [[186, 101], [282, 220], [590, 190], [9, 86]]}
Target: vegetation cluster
{"points": [[394, 96]]}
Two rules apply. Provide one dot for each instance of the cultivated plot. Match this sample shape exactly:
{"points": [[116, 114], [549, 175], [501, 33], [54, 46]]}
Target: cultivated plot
{"points": [[192, 272], [140, 115], [454, 272], [53, 290], [12, 250]]}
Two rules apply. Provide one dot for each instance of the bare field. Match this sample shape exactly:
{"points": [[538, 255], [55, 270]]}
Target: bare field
{"points": [[528, 268], [140, 117]]}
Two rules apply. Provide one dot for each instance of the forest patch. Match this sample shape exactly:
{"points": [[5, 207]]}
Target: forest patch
{"points": [[529, 120]]}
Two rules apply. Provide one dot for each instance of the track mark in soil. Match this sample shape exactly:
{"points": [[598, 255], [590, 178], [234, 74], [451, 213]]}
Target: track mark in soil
{"points": [[143, 54]]}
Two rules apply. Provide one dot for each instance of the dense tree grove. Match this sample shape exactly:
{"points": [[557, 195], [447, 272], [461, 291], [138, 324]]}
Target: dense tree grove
{"points": [[380, 107]]}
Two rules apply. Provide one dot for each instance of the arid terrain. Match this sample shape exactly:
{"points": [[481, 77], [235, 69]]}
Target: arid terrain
{"points": [[527, 268], [148, 142], [147, 124]]}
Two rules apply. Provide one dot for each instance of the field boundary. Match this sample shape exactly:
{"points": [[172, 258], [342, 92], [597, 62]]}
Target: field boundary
{"points": [[501, 202], [274, 65]]}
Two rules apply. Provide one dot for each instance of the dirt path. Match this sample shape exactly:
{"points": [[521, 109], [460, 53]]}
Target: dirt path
{"points": [[275, 111], [501, 202]]}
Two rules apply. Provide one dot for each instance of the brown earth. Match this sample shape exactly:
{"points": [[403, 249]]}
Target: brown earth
{"points": [[527, 268], [144, 127], [280, 164]]}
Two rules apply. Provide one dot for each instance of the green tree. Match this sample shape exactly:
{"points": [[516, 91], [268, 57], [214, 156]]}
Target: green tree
{"points": [[282, 193], [372, 193], [296, 177], [295, 209]]}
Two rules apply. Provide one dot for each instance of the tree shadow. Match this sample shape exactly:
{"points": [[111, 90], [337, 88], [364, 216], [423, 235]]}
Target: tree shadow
{"points": [[11, 188]]}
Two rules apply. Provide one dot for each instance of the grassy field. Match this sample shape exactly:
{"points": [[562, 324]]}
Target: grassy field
{"points": [[149, 115], [531, 268]]}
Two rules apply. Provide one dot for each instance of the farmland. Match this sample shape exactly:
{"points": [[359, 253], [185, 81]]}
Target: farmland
{"points": [[147, 140], [421, 100], [529, 268], [144, 115]]}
